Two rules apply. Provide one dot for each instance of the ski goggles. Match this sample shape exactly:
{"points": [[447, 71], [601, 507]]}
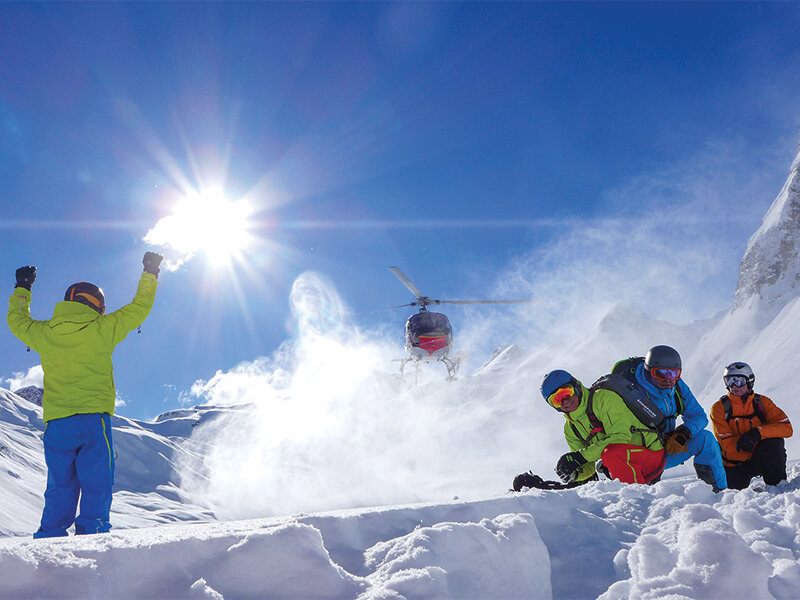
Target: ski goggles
{"points": [[556, 398], [668, 376], [735, 381]]}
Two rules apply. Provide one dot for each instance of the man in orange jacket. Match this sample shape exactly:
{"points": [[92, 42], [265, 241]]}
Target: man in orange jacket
{"points": [[750, 430]]}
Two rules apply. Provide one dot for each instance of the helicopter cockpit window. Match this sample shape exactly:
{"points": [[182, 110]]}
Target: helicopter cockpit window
{"points": [[428, 323]]}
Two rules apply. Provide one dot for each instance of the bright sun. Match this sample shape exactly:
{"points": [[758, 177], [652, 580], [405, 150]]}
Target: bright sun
{"points": [[206, 222]]}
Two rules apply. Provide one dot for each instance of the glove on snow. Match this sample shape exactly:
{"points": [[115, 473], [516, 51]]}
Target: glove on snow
{"points": [[25, 277], [569, 466], [676, 441], [523, 480], [151, 261], [747, 441]]}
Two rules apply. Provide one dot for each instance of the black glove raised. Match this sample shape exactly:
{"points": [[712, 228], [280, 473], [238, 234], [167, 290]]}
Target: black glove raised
{"points": [[25, 277], [523, 480], [747, 441], [151, 261], [569, 466]]}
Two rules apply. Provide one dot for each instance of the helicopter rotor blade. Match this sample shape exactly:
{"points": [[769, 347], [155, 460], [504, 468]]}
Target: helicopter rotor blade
{"points": [[406, 281], [483, 301]]}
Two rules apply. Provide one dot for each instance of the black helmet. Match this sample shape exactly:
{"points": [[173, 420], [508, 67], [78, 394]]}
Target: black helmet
{"points": [[88, 294], [663, 366], [664, 357]]}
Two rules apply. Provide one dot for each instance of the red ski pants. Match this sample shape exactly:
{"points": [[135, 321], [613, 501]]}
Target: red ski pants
{"points": [[633, 464]]}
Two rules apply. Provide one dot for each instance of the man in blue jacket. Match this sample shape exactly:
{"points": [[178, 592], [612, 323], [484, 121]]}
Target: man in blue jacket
{"points": [[659, 376]]}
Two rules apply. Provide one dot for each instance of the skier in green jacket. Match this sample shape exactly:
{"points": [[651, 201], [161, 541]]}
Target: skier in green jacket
{"points": [[629, 450], [75, 347]]}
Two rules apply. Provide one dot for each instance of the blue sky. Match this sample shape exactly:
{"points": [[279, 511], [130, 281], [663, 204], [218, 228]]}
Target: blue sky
{"points": [[466, 143]]}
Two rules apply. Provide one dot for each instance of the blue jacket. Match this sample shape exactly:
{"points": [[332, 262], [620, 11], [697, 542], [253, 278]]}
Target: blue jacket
{"points": [[694, 417]]}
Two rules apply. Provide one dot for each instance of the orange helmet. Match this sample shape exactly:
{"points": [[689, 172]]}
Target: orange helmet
{"points": [[88, 294]]}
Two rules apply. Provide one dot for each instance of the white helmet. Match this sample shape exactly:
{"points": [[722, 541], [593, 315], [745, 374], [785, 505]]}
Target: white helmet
{"points": [[739, 369]]}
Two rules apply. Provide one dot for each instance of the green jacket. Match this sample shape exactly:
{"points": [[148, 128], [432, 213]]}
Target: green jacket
{"points": [[617, 421], [76, 346]]}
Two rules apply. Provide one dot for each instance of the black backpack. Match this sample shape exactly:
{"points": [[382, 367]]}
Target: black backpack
{"points": [[758, 408], [627, 369], [635, 400]]}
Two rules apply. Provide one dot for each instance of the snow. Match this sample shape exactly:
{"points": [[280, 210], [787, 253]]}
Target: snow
{"points": [[607, 540], [317, 474]]}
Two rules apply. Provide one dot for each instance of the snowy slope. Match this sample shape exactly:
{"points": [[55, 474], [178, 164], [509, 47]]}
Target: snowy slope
{"points": [[770, 267], [609, 540], [22, 470], [145, 488], [762, 326]]}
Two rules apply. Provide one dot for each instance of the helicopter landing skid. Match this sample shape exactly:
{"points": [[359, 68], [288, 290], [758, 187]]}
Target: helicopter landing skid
{"points": [[404, 362], [452, 367]]}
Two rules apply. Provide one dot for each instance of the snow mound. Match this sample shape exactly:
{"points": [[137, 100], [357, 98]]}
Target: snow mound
{"points": [[289, 559], [605, 539]]}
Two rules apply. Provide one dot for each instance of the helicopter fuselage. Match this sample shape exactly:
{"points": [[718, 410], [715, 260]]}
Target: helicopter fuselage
{"points": [[429, 336]]}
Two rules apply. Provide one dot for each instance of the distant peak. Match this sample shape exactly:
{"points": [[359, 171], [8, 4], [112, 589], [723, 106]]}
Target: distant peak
{"points": [[504, 356], [770, 267], [31, 393], [621, 314]]}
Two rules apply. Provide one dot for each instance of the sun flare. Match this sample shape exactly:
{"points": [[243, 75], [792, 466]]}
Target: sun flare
{"points": [[205, 222]]}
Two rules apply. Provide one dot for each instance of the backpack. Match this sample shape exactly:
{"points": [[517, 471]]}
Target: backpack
{"points": [[635, 400], [627, 369], [758, 408]]}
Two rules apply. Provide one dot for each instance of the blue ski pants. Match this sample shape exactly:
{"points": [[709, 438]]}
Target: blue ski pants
{"points": [[705, 449], [79, 454]]}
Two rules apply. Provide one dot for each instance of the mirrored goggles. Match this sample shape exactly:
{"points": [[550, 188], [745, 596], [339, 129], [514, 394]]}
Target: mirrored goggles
{"points": [[735, 381], [667, 375], [556, 398]]}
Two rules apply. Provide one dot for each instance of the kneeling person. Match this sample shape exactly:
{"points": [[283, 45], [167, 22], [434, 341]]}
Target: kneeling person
{"points": [[629, 450], [750, 429]]}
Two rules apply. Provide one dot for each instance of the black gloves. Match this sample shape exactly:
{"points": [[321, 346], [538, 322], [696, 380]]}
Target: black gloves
{"points": [[569, 466], [676, 441], [151, 261], [747, 441], [682, 434], [25, 277], [523, 480]]}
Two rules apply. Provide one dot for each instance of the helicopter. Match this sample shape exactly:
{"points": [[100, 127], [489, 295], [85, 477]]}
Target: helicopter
{"points": [[429, 335]]}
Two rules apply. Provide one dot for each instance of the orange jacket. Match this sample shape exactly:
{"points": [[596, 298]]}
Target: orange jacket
{"points": [[743, 419]]}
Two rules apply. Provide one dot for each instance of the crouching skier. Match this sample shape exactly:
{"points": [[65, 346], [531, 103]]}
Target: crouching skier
{"points": [[599, 425], [75, 347], [750, 429], [658, 374]]}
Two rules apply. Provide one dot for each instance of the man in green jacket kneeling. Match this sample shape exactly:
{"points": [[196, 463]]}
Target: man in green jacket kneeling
{"points": [[630, 451]]}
